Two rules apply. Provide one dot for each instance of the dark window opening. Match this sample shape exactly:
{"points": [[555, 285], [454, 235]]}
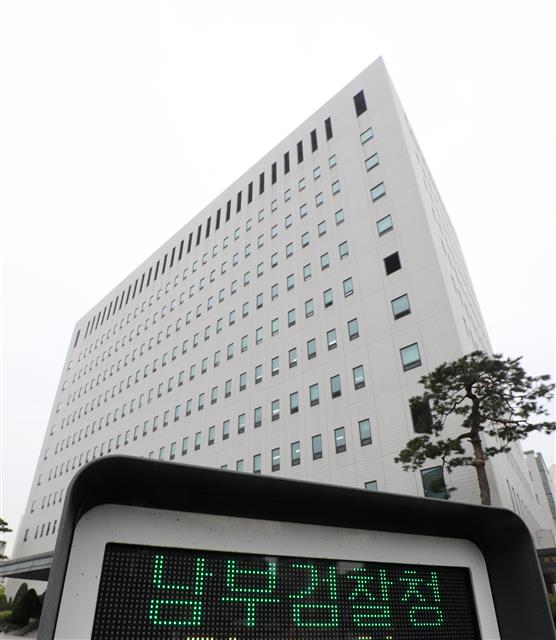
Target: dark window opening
{"points": [[189, 241], [164, 263], [173, 256], [77, 337], [155, 275], [299, 152], [273, 173], [314, 142], [140, 286], [217, 225], [249, 193], [287, 162], [328, 128], [360, 104], [199, 230], [392, 263], [261, 183], [180, 254], [135, 288], [238, 202], [228, 210], [109, 310], [421, 415], [207, 228]]}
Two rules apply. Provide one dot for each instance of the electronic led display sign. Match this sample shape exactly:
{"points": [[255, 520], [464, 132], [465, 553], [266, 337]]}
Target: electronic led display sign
{"points": [[162, 593]]}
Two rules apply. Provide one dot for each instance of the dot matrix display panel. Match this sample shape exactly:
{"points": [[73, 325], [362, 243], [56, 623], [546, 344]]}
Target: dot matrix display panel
{"points": [[161, 593]]}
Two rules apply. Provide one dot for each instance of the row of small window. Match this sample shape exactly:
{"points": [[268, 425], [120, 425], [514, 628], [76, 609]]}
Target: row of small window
{"points": [[410, 358], [365, 438], [319, 200], [343, 251], [41, 530], [93, 324], [314, 399], [328, 301], [352, 330], [52, 498]]}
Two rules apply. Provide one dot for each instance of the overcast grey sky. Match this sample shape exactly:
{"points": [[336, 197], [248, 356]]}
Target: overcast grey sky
{"points": [[120, 120]]}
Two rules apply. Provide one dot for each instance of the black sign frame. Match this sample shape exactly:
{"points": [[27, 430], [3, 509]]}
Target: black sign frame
{"points": [[501, 536]]}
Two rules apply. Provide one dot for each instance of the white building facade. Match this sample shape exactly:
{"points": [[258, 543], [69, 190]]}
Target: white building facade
{"points": [[284, 329]]}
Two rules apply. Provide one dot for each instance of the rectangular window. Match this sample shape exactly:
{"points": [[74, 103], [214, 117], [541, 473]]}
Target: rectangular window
{"points": [[343, 250], [384, 225], [335, 386], [241, 423], [240, 466], [353, 329], [258, 335], [292, 357], [242, 381], [339, 216], [378, 191], [359, 103], [371, 163], [306, 271], [257, 463], [244, 343], [324, 261], [314, 143], [366, 135], [340, 439], [289, 250], [348, 287], [290, 282], [303, 210], [230, 351], [274, 326], [211, 435], [184, 446], [288, 221], [335, 187], [305, 239], [314, 395], [371, 485], [177, 411], [433, 483], [392, 263], [287, 195], [214, 395], [258, 373], [275, 459], [316, 173], [319, 199], [365, 432], [198, 437], [358, 377], [311, 349], [321, 228], [331, 340], [275, 410], [291, 317], [257, 417], [287, 162], [294, 402], [332, 162], [300, 152], [225, 429], [328, 128], [275, 365], [421, 416], [400, 306], [316, 445], [227, 388], [295, 453], [309, 308], [411, 357], [327, 297]]}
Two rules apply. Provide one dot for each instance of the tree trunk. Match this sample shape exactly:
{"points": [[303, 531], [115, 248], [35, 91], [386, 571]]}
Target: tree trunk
{"points": [[480, 466]]}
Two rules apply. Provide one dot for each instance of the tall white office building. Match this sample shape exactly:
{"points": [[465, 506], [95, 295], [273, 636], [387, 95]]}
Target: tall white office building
{"points": [[284, 329]]}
